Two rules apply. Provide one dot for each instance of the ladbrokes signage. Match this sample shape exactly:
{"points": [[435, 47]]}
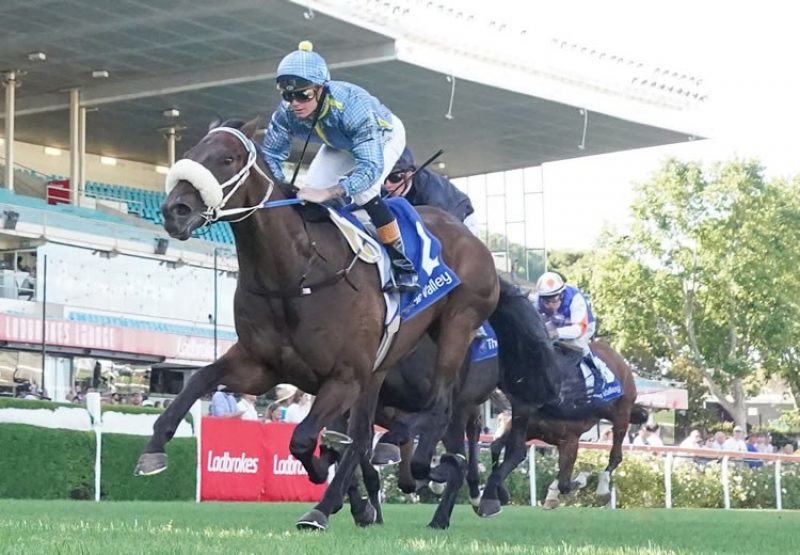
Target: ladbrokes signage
{"points": [[250, 461]]}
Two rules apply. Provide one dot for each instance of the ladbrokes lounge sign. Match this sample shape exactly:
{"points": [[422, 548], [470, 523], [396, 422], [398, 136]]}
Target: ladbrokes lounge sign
{"points": [[250, 461]]}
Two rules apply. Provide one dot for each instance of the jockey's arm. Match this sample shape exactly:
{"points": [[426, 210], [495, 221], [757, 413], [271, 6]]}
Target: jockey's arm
{"points": [[579, 320], [277, 143], [367, 151]]}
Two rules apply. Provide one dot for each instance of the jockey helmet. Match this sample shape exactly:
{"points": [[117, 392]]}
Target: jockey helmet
{"points": [[550, 284], [302, 68]]}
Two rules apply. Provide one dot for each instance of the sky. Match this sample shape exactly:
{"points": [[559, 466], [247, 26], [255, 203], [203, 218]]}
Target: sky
{"points": [[744, 53]]}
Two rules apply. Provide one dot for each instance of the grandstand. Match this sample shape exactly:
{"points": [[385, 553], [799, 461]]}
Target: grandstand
{"points": [[117, 288]]}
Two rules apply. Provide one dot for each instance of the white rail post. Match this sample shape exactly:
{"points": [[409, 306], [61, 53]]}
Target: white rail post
{"points": [[778, 491], [96, 412], [532, 473], [197, 419], [668, 481], [726, 489]]}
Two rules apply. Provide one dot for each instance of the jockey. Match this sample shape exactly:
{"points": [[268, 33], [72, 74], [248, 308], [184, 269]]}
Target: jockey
{"points": [[569, 318], [361, 140], [429, 188]]}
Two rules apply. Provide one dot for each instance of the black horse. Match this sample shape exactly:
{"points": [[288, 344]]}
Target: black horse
{"points": [[401, 405]]}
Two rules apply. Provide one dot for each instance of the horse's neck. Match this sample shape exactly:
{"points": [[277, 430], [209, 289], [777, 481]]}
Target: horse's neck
{"points": [[272, 244]]}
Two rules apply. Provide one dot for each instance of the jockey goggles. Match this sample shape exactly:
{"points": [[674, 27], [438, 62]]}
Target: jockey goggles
{"points": [[300, 96], [396, 177], [553, 299]]}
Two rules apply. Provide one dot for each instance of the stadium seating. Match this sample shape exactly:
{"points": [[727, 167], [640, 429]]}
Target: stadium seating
{"points": [[147, 205], [150, 325]]}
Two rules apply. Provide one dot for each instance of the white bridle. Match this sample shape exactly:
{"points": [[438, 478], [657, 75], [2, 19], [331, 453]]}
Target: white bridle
{"points": [[212, 191]]}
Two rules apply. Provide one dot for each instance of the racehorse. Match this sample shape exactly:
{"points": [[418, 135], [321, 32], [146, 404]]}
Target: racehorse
{"points": [[565, 435], [308, 312], [401, 403]]}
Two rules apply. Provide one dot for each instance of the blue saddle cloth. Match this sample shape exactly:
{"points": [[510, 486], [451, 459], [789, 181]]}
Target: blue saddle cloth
{"points": [[436, 279], [484, 346]]}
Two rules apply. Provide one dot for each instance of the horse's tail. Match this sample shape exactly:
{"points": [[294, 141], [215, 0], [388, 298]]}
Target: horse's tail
{"points": [[526, 354], [639, 415]]}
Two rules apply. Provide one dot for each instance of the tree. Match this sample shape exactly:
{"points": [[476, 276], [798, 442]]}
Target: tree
{"points": [[707, 274]]}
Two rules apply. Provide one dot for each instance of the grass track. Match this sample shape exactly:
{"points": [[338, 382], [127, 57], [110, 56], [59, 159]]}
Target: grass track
{"points": [[34, 527]]}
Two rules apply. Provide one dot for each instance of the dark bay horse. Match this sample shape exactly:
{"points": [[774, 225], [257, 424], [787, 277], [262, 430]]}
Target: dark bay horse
{"points": [[307, 313], [565, 435], [401, 402]]}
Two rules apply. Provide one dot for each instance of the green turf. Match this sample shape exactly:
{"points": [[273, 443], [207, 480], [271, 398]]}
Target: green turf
{"points": [[173, 527]]}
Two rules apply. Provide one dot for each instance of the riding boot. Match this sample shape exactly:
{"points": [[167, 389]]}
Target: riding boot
{"points": [[599, 379], [405, 276]]}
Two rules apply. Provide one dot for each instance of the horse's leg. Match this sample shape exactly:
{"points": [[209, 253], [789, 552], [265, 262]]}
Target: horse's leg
{"points": [[619, 429], [515, 454], [405, 481], [372, 483], [452, 468], [473, 456], [453, 341], [235, 369], [567, 453], [360, 430], [496, 449], [332, 401]]}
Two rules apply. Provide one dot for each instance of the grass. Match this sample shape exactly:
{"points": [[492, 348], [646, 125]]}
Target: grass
{"points": [[43, 527]]}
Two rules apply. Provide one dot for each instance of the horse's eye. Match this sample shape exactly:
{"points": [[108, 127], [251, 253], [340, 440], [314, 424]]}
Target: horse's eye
{"points": [[228, 161]]}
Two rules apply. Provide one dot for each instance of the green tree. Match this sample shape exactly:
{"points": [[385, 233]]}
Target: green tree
{"points": [[708, 274]]}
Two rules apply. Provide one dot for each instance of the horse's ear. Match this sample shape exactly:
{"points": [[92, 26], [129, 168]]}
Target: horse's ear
{"points": [[216, 122], [249, 128]]}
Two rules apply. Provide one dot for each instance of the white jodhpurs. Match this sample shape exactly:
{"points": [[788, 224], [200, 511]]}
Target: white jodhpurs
{"points": [[331, 165]]}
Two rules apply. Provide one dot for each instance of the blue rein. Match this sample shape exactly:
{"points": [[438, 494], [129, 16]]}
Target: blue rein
{"points": [[282, 202]]}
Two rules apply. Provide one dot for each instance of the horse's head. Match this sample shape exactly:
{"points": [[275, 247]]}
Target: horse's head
{"points": [[202, 187]]}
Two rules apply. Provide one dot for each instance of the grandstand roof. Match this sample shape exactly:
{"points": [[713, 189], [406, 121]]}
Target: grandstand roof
{"points": [[210, 58]]}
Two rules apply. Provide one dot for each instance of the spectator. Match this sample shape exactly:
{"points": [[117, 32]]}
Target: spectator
{"points": [[717, 442], [273, 413], [136, 399], [736, 442], [764, 443], [247, 406], [788, 449], [298, 408], [21, 266], [223, 404], [649, 435], [28, 286], [752, 447], [693, 441]]}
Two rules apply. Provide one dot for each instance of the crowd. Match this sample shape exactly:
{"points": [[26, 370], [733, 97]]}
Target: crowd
{"points": [[290, 405]]}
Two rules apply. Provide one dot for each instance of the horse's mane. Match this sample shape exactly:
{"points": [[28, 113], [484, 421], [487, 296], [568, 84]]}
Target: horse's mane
{"points": [[526, 353]]}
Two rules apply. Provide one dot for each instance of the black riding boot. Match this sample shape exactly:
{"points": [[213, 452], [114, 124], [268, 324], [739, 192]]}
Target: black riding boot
{"points": [[389, 234], [405, 276], [599, 380]]}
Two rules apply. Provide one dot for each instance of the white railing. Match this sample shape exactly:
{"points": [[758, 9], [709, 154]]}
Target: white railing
{"points": [[670, 453]]}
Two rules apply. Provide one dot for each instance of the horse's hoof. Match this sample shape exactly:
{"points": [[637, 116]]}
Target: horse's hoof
{"points": [[368, 516], [437, 487], [313, 520], [604, 499], [503, 495], [150, 464], [385, 453], [335, 440], [489, 507], [550, 504], [436, 525]]}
